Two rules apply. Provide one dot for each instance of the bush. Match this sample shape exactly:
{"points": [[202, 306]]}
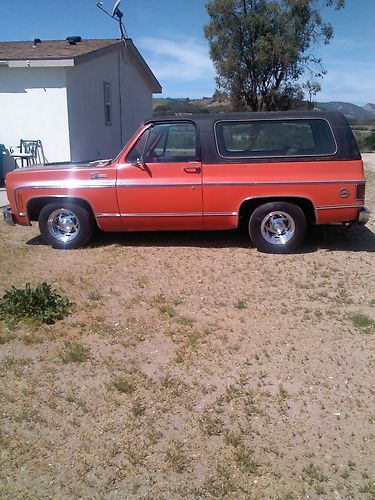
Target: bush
{"points": [[367, 144], [41, 303]]}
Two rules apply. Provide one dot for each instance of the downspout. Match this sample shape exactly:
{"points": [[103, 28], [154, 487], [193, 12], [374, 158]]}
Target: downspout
{"points": [[120, 98]]}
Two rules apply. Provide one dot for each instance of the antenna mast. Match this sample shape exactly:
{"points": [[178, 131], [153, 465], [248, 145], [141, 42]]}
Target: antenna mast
{"points": [[117, 15]]}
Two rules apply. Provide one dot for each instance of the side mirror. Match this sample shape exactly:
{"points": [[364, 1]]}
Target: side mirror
{"points": [[139, 162]]}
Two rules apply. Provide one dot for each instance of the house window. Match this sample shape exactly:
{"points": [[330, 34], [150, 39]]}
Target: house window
{"points": [[107, 103]]}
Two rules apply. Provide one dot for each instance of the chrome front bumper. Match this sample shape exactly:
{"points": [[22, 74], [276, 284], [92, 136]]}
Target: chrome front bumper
{"points": [[363, 216], [8, 216]]}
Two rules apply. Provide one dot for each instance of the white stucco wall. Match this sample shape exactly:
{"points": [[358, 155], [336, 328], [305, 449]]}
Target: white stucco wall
{"points": [[90, 137], [136, 97], [33, 106]]}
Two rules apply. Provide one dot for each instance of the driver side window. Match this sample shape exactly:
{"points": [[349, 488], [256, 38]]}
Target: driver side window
{"points": [[171, 142], [166, 142]]}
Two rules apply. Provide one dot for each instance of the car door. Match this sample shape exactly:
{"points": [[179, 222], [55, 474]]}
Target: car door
{"points": [[159, 183]]}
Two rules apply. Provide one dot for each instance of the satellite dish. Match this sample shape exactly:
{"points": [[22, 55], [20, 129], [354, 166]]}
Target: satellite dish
{"points": [[117, 15], [116, 11]]}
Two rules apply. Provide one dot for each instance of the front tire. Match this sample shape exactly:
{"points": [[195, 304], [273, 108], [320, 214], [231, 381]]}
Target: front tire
{"points": [[277, 227], [65, 225]]}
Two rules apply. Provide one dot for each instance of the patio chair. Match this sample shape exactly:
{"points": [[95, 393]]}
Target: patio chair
{"points": [[31, 153]]}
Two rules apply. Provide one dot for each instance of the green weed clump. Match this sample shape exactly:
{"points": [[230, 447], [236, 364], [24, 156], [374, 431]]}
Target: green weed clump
{"points": [[74, 353], [123, 385], [41, 303], [363, 322]]}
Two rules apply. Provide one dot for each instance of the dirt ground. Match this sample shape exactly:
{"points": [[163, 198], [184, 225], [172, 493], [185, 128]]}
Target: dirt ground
{"points": [[192, 366]]}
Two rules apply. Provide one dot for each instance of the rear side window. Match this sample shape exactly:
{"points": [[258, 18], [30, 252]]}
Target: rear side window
{"points": [[273, 138]]}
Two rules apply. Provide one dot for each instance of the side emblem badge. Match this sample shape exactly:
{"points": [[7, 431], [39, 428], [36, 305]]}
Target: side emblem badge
{"points": [[344, 193]]}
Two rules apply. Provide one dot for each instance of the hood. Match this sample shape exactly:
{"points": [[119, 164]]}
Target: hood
{"points": [[58, 165]]}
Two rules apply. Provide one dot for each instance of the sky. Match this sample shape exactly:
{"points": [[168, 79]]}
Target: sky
{"points": [[169, 35]]}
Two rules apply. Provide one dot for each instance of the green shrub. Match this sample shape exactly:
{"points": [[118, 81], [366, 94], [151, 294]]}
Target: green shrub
{"points": [[41, 303]]}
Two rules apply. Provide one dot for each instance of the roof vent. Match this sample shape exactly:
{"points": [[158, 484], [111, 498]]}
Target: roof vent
{"points": [[73, 40], [36, 41]]}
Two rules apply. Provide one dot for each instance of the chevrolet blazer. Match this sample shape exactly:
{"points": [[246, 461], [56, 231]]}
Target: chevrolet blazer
{"points": [[278, 172]]}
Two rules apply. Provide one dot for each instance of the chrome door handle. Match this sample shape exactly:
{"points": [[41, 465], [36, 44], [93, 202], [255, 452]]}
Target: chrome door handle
{"points": [[192, 170]]}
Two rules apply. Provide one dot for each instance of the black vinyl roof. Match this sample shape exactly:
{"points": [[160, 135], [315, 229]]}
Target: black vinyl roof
{"points": [[331, 116], [347, 147]]}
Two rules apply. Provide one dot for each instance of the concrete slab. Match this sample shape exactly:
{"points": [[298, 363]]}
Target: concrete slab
{"points": [[3, 198]]}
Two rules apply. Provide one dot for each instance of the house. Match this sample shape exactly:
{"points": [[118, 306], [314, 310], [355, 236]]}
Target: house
{"points": [[82, 98]]}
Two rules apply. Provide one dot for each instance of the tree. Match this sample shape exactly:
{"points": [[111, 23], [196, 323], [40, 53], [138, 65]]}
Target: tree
{"points": [[312, 88], [261, 48]]}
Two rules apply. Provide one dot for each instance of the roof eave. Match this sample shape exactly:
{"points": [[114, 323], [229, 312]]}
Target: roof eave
{"points": [[38, 63], [155, 84]]}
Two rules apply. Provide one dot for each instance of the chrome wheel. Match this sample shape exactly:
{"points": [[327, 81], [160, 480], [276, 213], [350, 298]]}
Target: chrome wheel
{"points": [[277, 228], [63, 224]]}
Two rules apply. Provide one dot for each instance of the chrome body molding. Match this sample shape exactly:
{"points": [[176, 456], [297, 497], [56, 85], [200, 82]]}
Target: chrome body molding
{"points": [[171, 214], [108, 215], [72, 184], [239, 183], [225, 214], [283, 183], [152, 185], [334, 207]]}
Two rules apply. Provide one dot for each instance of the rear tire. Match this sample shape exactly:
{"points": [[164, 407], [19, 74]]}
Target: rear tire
{"points": [[65, 225], [277, 227]]}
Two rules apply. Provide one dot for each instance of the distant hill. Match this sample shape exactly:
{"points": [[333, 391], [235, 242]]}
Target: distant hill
{"points": [[168, 106], [369, 107], [351, 111], [172, 106], [177, 106]]}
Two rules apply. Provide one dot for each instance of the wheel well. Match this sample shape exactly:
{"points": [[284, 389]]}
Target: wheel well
{"points": [[248, 206], [35, 205]]}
